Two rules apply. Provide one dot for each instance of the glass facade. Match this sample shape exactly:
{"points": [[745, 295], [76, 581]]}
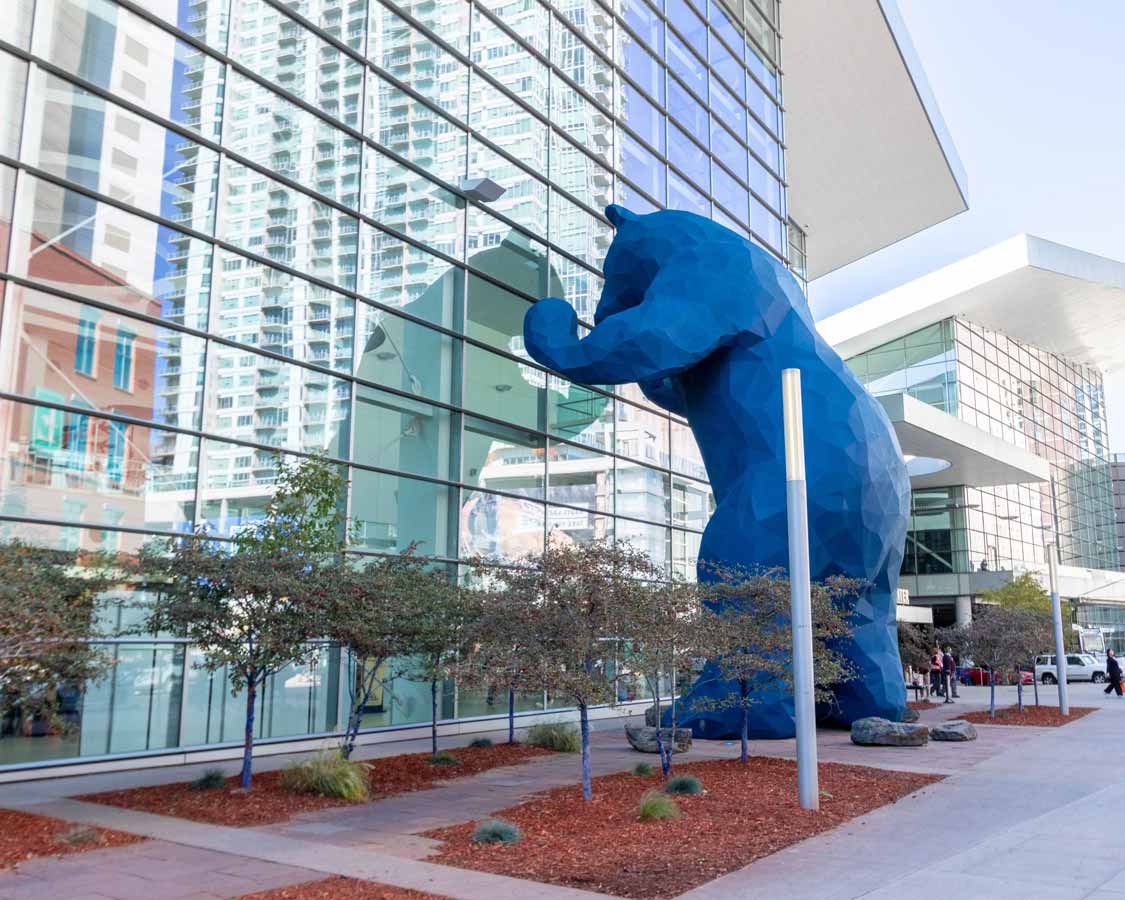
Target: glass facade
{"points": [[233, 229], [1030, 398]]}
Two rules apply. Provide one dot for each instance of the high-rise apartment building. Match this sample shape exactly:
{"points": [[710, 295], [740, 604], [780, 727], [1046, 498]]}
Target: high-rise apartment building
{"points": [[233, 229]]}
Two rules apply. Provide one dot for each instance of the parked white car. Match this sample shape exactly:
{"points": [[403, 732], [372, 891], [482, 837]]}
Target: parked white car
{"points": [[1079, 667]]}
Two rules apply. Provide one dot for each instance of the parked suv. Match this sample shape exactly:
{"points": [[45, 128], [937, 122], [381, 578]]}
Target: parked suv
{"points": [[1079, 667]]}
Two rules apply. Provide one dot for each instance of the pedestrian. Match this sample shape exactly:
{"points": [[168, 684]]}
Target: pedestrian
{"points": [[935, 672], [948, 668], [1113, 673]]}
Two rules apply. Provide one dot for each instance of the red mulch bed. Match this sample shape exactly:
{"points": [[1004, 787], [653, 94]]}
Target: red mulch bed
{"points": [[1048, 716], [920, 704], [339, 888], [24, 836], [746, 813], [268, 802]]}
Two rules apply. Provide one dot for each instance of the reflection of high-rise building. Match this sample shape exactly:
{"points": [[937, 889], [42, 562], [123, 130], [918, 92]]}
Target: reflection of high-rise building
{"points": [[231, 229]]}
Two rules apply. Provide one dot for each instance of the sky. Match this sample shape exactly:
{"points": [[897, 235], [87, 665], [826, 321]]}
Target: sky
{"points": [[1033, 95]]}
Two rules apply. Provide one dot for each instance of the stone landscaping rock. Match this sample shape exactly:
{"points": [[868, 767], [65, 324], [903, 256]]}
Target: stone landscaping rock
{"points": [[910, 715], [953, 730], [885, 733], [643, 738], [650, 716]]}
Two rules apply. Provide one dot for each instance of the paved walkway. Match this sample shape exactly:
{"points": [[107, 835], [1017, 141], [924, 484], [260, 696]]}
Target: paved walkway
{"points": [[1004, 794]]}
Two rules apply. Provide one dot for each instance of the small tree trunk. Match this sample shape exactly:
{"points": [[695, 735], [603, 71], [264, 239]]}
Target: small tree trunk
{"points": [[744, 732], [248, 736], [433, 717], [1034, 683], [584, 724], [1019, 690], [991, 694], [511, 714], [672, 743]]}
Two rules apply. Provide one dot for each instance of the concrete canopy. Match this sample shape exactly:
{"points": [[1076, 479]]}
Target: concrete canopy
{"points": [[975, 457], [1054, 297], [868, 158]]}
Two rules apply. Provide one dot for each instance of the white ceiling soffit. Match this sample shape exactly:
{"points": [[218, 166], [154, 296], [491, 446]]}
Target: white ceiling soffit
{"points": [[1054, 297], [868, 159], [976, 458]]}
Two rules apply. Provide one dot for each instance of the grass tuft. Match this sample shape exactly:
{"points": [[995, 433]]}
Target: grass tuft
{"points": [[80, 836], [443, 758], [642, 769], [327, 774], [684, 785], [480, 742], [558, 736], [211, 780], [655, 805], [496, 831]]}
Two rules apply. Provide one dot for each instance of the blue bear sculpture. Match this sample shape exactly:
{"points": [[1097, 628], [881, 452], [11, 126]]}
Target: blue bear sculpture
{"points": [[705, 322]]}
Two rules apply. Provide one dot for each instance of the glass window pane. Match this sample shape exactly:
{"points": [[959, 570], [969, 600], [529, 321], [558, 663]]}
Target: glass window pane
{"points": [[688, 157], [510, 256], [502, 388], [396, 432], [67, 240], [499, 527], [397, 274], [80, 355], [688, 23], [529, 19], [686, 457], [525, 197], [584, 177], [642, 434], [409, 202], [642, 492], [495, 316], [406, 53], [692, 503], [291, 56], [591, 20], [13, 82], [129, 56], [15, 26], [732, 195], [449, 21], [274, 310], [587, 69], [580, 476], [581, 288], [641, 66], [582, 121], [257, 398], [576, 526], [651, 539], [94, 471], [145, 165], [685, 64], [645, 23], [405, 355], [345, 24], [415, 131], [580, 414], [393, 512], [728, 149], [288, 226], [644, 118], [578, 232], [502, 458], [686, 110], [136, 707], [506, 123]]}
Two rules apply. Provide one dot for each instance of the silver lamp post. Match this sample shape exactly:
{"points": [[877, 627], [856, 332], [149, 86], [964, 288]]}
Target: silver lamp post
{"points": [[1056, 614], [808, 787]]}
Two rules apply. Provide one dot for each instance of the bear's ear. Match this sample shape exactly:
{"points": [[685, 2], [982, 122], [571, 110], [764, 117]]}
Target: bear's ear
{"points": [[618, 215]]}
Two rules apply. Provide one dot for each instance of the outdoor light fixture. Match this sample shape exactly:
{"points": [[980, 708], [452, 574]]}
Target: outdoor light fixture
{"points": [[503, 388], [483, 190]]}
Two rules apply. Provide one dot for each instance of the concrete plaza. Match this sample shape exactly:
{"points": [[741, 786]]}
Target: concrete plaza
{"points": [[1023, 812]]}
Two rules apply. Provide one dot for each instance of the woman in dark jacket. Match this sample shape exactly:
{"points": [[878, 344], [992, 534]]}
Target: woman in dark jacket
{"points": [[1113, 673]]}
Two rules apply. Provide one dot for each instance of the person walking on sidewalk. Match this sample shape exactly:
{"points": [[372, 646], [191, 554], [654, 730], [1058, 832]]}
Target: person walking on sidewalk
{"points": [[947, 669], [1113, 673]]}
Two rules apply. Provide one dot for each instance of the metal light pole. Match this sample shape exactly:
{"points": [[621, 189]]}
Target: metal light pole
{"points": [[808, 787], [1056, 614]]}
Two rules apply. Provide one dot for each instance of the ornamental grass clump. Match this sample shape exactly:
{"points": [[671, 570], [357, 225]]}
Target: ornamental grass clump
{"points": [[211, 780], [642, 769], [655, 805], [480, 743], [327, 774], [684, 785], [443, 758], [496, 831], [558, 736]]}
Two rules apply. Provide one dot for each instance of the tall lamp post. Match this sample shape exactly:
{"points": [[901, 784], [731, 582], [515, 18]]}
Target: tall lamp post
{"points": [[808, 787], [1056, 614]]}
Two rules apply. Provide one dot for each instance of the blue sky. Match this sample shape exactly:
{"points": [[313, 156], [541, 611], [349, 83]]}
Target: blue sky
{"points": [[1033, 94]]}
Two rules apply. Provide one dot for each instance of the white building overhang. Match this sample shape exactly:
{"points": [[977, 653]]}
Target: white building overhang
{"points": [[975, 457], [868, 158], [1063, 300]]}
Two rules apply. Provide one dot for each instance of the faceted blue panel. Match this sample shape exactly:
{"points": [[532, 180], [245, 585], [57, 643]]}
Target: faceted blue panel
{"points": [[705, 322]]}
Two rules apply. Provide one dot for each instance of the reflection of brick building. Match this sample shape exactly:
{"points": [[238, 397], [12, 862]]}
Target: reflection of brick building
{"points": [[61, 351]]}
